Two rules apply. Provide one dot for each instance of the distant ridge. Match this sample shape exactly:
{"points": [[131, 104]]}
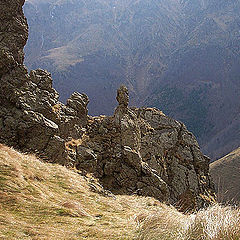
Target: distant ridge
{"points": [[226, 176]]}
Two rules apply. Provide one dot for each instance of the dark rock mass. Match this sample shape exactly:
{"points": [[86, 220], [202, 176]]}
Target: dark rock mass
{"points": [[136, 151], [31, 117]]}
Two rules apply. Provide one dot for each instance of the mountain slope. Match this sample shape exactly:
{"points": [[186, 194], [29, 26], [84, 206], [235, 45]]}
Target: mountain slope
{"points": [[179, 56], [46, 201], [225, 173], [98, 43], [137, 150]]}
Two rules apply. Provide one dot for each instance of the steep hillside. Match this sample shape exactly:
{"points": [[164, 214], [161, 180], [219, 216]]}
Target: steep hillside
{"points": [[107, 161], [179, 56], [46, 201], [96, 45], [225, 173], [136, 151]]}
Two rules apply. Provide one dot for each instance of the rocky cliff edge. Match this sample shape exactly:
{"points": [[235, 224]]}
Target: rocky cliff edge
{"points": [[136, 151]]}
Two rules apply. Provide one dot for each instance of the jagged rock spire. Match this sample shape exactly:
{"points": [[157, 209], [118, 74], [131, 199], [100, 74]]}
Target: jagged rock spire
{"points": [[122, 96], [31, 117]]}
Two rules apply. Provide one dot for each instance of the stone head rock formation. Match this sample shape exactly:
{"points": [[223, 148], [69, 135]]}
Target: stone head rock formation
{"points": [[143, 151], [122, 96], [135, 151]]}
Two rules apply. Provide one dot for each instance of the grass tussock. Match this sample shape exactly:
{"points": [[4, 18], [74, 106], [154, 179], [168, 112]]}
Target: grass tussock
{"points": [[213, 223]]}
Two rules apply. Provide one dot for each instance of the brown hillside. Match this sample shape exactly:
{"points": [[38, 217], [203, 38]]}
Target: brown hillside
{"points": [[226, 175], [47, 201], [43, 201]]}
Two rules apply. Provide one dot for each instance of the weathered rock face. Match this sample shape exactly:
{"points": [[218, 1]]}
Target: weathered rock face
{"points": [[145, 152], [186, 61], [31, 117], [13, 34], [139, 150]]}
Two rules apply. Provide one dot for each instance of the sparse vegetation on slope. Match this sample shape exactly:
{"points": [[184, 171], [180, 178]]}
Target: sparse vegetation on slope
{"points": [[47, 201], [225, 173]]}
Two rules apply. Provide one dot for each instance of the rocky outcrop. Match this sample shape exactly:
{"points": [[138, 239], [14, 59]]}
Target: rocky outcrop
{"points": [[142, 151], [31, 117], [185, 63], [13, 34], [136, 151]]}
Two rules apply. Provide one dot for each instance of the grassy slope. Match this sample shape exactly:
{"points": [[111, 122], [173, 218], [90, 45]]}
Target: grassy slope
{"points": [[45, 201], [225, 173]]}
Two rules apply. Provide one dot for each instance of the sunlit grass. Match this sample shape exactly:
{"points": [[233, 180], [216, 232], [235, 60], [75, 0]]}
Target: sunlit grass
{"points": [[46, 201], [213, 223]]}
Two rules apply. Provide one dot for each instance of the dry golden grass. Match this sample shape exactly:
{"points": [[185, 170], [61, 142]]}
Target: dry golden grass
{"points": [[73, 143], [56, 108], [214, 223], [46, 201]]}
